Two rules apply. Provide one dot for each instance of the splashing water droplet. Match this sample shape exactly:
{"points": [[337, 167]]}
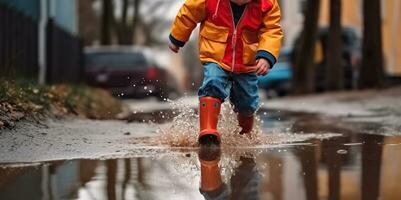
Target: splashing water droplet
{"points": [[184, 129]]}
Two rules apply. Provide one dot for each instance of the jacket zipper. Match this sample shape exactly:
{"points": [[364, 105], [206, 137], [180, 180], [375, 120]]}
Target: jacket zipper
{"points": [[217, 10], [234, 38]]}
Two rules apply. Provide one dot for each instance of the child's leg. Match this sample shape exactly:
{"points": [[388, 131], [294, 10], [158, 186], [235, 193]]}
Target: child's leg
{"points": [[212, 92], [245, 98], [215, 82]]}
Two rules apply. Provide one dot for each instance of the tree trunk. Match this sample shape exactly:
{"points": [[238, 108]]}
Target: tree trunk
{"points": [[107, 15], [335, 68], [121, 28], [89, 23], [304, 70], [136, 20], [372, 73], [124, 31]]}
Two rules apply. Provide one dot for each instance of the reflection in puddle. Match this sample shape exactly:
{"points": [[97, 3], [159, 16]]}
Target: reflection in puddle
{"points": [[243, 183], [347, 167]]}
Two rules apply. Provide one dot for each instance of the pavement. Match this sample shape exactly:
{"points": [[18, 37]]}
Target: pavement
{"points": [[369, 111], [69, 139]]}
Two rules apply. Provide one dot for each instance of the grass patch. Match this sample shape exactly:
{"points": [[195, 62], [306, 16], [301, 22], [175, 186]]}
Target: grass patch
{"points": [[24, 96], [31, 99]]}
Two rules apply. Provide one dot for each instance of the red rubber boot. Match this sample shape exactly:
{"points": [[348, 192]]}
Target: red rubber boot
{"points": [[209, 110], [246, 123]]}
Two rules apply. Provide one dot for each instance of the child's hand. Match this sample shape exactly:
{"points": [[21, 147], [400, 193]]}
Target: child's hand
{"points": [[174, 47], [262, 66]]}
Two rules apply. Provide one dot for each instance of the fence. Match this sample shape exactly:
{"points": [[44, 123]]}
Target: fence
{"points": [[18, 44], [19, 49], [64, 56]]}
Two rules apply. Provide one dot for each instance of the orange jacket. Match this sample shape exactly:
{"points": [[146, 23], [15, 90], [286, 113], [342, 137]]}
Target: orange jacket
{"points": [[258, 33]]}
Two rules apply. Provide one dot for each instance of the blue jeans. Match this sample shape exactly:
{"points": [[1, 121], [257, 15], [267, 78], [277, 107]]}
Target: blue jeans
{"points": [[241, 88]]}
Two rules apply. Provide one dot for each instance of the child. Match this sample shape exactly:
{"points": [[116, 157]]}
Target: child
{"points": [[239, 40]]}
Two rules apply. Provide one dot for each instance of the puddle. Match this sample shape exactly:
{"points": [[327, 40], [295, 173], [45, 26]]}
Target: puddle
{"points": [[348, 167], [290, 157]]}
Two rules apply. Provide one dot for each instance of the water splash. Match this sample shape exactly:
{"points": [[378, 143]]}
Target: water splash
{"points": [[184, 129]]}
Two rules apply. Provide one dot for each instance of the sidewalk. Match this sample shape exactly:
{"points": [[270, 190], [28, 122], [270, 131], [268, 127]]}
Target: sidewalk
{"points": [[371, 108]]}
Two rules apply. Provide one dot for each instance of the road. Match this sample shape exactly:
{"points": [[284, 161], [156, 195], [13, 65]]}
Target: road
{"points": [[294, 155]]}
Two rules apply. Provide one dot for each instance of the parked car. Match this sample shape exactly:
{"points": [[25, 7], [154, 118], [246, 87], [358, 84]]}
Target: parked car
{"points": [[128, 72], [278, 81]]}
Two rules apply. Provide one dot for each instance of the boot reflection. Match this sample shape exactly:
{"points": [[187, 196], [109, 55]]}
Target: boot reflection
{"points": [[244, 183], [211, 186]]}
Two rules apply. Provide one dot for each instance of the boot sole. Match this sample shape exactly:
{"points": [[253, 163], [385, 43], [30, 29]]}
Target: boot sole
{"points": [[209, 140]]}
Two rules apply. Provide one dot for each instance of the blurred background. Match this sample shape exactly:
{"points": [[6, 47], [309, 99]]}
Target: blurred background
{"points": [[121, 45]]}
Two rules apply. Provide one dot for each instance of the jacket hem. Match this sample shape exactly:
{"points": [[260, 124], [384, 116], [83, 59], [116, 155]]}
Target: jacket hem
{"points": [[243, 70]]}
